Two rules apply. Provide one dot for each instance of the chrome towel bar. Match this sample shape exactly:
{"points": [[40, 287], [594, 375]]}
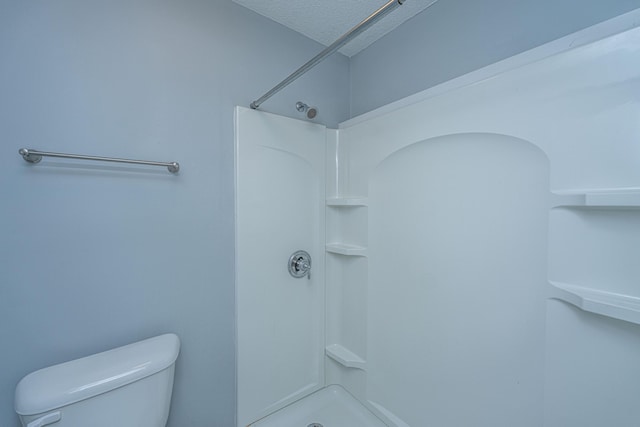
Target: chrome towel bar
{"points": [[34, 156]]}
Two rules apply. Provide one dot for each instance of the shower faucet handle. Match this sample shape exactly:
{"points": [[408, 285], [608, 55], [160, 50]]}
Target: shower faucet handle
{"points": [[300, 264]]}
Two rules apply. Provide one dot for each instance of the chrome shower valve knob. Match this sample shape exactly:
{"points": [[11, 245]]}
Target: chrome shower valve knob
{"points": [[300, 264]]}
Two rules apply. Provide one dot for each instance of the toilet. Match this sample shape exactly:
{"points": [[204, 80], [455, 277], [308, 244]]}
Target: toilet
{"points": [[124, 387]]}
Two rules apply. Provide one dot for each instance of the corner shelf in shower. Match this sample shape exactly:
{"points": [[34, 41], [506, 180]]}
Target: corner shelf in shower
{"points": [[617, 306], [346, 250], [614, 198], [345, 357], [347, 202]]}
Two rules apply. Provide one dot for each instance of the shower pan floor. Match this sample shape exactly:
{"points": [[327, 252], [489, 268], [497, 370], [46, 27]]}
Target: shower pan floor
{"points": [[330, 407]]}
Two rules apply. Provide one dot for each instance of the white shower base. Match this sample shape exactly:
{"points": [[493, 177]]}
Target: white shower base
{"points": [[331, 407]]}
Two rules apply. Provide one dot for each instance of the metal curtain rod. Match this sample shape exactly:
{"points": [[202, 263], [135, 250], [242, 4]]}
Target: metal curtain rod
{"points": [[34, 156], [374, 17]]}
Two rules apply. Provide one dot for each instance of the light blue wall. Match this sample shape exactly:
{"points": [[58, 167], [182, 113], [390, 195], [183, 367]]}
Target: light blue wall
{"points": [[94, 257], [454, 37]]}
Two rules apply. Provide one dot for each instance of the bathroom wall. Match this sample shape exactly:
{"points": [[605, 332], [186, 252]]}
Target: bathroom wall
{"points": [[454, 37], [96, 256]]}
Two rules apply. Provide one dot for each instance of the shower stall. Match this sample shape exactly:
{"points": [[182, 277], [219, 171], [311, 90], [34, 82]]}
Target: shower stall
{"points": [[473, 251]]}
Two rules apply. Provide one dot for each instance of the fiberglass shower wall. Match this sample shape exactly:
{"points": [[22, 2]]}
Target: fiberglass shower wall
{"points": [[280, 192], [481, 251], [488, 206]]}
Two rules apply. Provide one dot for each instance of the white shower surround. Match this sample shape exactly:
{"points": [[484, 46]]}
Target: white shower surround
{"points": [[479, 242]]}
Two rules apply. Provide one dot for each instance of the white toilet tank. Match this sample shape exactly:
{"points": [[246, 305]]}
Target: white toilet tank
{"points": [[128, 386]]}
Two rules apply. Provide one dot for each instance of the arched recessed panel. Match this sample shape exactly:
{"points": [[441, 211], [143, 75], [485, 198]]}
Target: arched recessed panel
{"points": [[457, 275]]}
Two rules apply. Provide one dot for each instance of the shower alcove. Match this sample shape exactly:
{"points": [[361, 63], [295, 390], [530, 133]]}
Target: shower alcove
{"points": [[474, 251]]}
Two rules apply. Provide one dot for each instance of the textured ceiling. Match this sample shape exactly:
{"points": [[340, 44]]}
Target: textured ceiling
{"points": [[327, 20]]}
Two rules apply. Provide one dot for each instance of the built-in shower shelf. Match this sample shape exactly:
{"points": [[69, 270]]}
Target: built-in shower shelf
{"points": [[617, 306], [345, 249], [345, 357], [615, 198], [347, 202]]}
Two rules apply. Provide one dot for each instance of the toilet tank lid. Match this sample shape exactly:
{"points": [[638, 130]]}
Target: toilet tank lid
{"points": [[80, 379]]}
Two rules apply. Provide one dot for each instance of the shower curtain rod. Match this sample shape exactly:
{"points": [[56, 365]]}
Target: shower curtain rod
{"points": [[374, 17]]}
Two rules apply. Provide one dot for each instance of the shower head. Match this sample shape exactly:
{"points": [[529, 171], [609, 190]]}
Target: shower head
{"points": [[310, 112]]}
